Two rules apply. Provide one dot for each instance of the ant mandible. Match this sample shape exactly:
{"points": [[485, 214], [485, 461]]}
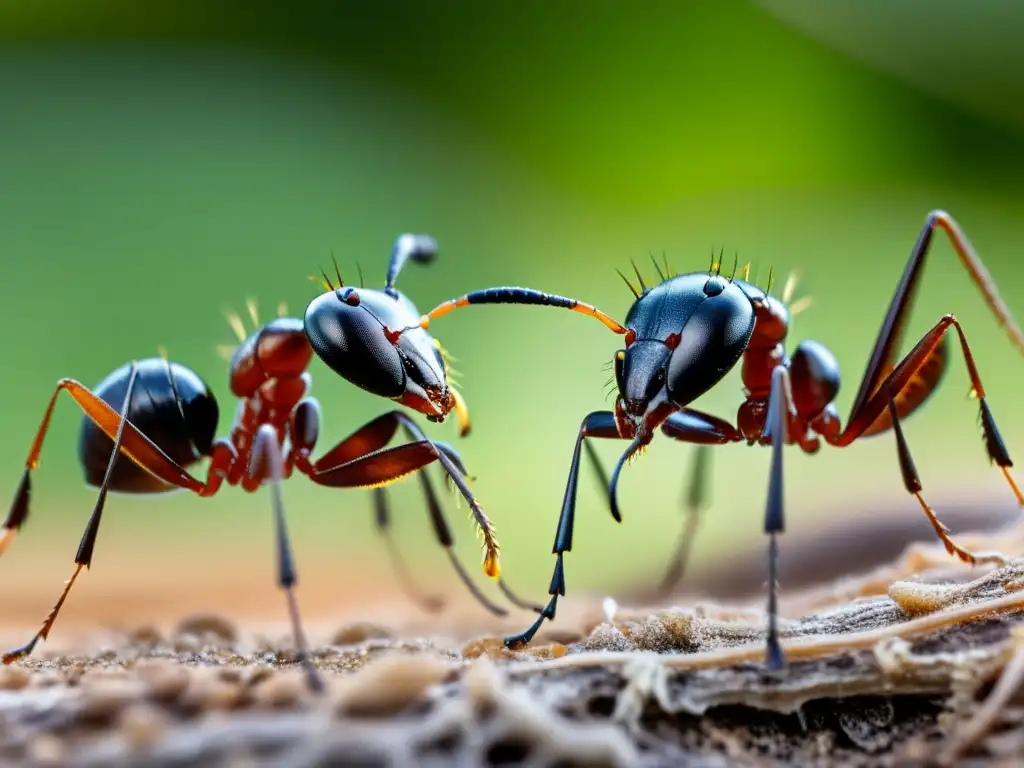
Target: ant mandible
{"points": [[163, 417], [685, 334]]}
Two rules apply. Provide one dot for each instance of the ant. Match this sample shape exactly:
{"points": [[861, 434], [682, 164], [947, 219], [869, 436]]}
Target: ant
{"points": [[163, 417], [685, 334]]}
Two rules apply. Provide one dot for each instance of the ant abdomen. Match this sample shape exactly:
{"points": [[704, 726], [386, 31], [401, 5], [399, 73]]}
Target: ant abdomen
{"points": [[171, 405]]}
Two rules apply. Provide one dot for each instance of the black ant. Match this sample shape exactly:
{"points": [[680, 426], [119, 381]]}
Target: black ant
{"points": [[163, 417], [685, 334]]}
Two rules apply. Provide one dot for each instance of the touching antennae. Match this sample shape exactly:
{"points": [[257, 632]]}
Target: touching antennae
{"points": [[421, 248], [634, 291], [515, 295]]}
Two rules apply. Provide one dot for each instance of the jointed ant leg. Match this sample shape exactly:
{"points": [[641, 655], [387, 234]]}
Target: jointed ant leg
{"points": [[596, 424], [912, 482], [83, 558], [344, 468], [429, 603], [891, 333], [779, 408], [135, 445], [267, 463], [885, 399], [695, 502]]}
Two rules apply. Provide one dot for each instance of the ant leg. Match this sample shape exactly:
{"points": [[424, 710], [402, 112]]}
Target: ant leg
{"points": [[429, 603], [358, 462], [436, 516], [596, 424], [694, 427], [135, 445], [904, 375], [912, 482], [83, 559], [267, 463], [889, 336], [779, 406], [695, 502]]}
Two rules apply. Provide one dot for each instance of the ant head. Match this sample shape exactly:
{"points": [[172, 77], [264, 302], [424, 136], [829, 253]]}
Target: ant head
{"points": [[366, 337], [683, 337]]}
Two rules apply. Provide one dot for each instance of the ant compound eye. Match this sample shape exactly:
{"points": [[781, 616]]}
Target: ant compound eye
{"points": [[349, 341], [714, 286], [349, 296], [630, 337]]}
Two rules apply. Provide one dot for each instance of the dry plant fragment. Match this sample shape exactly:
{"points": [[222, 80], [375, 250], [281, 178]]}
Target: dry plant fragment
{"points": [[1010, 682], [389, 684]]}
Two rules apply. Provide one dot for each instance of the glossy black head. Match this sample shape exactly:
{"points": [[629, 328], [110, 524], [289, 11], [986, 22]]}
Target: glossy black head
{"points": [[683, 337], [170, 404], [356, 333]]}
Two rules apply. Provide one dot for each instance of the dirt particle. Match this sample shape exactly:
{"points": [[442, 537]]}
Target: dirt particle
{"points": [[360, 632], [917, 599], [209, 693], [146, 635], [104, 696], [164, 680], [389, 685], [14, 678], [280, 691], [549, 651], [142, 726], [207, 624], [46, 750], [491, 647]]}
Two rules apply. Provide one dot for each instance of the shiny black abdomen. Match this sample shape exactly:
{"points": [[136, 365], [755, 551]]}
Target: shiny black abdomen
{"points": [[171, 405]]}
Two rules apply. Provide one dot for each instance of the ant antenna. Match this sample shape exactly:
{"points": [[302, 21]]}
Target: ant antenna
{"points": [[664, 257], [771, 279], [735, 264], [634, 291], [657, 268], [639, 277], [359, 269], [718, 267]]}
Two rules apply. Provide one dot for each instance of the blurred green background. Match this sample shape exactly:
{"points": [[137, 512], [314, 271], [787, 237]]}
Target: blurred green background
{"points": [[162, 161]]}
